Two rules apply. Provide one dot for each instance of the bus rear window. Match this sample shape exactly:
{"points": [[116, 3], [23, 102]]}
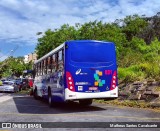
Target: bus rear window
{"points": [[92, 53]]}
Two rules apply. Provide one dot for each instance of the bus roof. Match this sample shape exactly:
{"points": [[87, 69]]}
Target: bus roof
{"points": [[71, 41], [84, 41], [50, 53]]}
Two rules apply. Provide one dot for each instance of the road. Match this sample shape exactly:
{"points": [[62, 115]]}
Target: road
{"points": [[23, 108]]}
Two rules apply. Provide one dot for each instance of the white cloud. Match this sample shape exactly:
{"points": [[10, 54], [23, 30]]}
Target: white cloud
{"points": [[21, 20]]}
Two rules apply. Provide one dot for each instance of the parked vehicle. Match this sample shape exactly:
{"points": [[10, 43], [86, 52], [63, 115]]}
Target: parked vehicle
{"points": [[18, 83], [23, 83], [9, 86]]}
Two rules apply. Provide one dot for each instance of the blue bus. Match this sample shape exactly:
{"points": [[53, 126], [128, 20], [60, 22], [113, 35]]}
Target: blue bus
{"points": [[78, 70]]}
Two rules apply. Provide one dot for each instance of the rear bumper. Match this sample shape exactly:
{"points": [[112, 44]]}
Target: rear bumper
{"points": [[69, 95]]}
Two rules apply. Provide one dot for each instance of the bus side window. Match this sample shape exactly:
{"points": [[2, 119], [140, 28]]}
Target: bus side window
{"points": [[57, 61], [42, 67], [60, 56], [63, 55], [36, 67], [45, 66], [46, 71], [54, 63], [39, 68], [60, 60], [49, 65]]}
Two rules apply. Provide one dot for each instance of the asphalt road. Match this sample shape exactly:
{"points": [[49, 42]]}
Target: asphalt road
{"points": [[23, 108]]}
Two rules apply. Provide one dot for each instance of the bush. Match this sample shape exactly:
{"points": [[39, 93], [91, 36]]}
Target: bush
{"points": [[150, 69], [130, 74]]}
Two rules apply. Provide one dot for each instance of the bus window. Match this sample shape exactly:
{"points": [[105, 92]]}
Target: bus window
{"points": [[36, 67], [49, 65], [42, 67], [39, 68], [60, 60], [54, 63], [63, 55], [45, 67], [60, 55]]}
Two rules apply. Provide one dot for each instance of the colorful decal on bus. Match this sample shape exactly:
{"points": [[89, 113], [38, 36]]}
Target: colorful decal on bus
{"points": [[98, 81]]}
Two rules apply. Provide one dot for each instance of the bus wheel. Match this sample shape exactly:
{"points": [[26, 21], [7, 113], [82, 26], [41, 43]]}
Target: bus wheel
{"points": [[85, 102], [35, 94], [50, 102]]}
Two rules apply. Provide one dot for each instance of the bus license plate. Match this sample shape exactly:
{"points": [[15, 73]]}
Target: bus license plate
{"points": [[93, 88]]}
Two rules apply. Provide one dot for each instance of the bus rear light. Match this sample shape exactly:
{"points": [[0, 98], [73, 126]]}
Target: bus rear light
{"points": [[113, 86], [70, 82], [113, 82], [71, 87]]}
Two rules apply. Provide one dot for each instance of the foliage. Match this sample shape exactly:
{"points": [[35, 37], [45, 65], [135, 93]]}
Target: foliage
{"points": [[13, 66], [128, 103], [132, 25], [137, 42], [52, 39]]}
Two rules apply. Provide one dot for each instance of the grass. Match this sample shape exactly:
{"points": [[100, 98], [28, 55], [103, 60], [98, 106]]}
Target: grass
{"points": [[130, 74], [139, 72], [128, 103], [24, 92]]}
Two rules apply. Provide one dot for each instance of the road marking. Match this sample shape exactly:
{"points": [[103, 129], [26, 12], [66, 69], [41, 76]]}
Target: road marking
{"points": [[5, 98], [72, 115], [23, 105]]}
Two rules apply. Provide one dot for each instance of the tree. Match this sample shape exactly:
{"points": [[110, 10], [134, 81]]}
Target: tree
{"points": [[132, 25], [13, 66], [52, 39], [152, 30]]}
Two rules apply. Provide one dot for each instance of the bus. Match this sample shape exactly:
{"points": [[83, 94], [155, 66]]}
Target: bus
{"points": [[77, 70]]}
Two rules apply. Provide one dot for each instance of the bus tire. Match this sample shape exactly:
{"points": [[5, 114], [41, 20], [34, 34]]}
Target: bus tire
{"points": [[50, 102], [85, 102], [35, 94]]}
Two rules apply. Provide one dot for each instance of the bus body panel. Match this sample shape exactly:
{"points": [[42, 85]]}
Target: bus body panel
{"points": [[70, 95], [92, 76], [92, 66]]}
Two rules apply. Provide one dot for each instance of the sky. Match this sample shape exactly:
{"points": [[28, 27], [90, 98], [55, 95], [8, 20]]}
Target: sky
{"points": [[20, 20]]}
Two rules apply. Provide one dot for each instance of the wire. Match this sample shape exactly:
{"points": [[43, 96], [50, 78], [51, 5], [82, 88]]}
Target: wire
{"points": [[10, 53]]}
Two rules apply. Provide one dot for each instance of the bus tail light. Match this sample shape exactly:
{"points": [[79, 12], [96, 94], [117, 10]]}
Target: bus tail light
{"points": [[70, 82], [114, 81]]}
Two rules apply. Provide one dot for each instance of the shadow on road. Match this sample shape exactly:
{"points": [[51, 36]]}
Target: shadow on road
{"points": [[30, 105]]}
